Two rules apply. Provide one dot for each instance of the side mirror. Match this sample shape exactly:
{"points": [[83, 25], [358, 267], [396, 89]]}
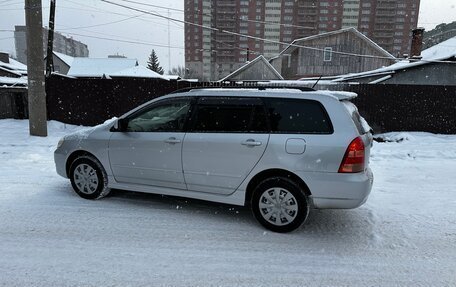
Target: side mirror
{"points": [[121, 125]]}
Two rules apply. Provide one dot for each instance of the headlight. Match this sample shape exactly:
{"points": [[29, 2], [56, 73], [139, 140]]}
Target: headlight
{"points": [[60, 142]]}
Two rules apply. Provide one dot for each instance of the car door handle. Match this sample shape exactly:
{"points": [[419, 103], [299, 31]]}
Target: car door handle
{"points": [[251, 142], [172, 140]]}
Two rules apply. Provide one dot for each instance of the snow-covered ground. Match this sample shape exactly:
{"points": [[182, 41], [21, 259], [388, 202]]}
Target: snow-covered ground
{"points": [[405, 235]]}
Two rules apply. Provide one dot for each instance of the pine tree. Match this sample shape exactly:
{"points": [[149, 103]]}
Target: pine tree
{"points": [[153, 63]]}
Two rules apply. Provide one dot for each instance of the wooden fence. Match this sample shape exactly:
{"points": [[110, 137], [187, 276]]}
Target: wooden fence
{"points": [[13, 103], [385, 107]]}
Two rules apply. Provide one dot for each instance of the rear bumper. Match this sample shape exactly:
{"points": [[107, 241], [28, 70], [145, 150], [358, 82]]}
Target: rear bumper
{"points": [[339, 190]]}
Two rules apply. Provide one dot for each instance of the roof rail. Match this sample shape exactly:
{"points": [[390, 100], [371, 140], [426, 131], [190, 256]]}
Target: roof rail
{"points": [[259, 87]]}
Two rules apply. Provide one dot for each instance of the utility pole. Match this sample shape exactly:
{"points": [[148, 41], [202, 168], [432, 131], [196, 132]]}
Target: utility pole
{"points": [[35, 68], [50, 43]]}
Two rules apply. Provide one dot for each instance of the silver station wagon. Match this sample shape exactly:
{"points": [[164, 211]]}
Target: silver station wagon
{"points": [[280, 151]]}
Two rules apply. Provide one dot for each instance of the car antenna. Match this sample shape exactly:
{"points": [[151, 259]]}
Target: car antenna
{"points": [[317, 81]]}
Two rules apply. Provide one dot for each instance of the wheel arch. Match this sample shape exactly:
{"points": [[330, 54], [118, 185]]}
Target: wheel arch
{"points": [[73, 156], [274, 172]]}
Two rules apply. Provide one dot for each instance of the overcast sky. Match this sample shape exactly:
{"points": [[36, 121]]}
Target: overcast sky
{"points": [[147, 31]]}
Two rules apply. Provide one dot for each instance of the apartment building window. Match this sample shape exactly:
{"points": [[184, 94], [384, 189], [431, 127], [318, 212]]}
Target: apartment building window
{"points": [[324, 11], [327, 54]]}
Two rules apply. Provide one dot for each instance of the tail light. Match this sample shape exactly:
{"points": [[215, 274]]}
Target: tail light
{"points": [[353, 160]]}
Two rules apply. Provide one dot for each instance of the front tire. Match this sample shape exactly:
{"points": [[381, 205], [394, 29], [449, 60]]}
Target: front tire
{"points": [[279, 204], [88, 178]]}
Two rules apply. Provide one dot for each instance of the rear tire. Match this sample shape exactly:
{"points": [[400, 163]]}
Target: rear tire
{"points": [[279, 204], [88, 178]]}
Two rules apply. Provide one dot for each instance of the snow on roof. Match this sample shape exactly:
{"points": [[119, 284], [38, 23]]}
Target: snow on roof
{"points": [[172, 77], [65, 58], [97, 67], [8, 81], [138, 72], [14, 66], [440, 52]]}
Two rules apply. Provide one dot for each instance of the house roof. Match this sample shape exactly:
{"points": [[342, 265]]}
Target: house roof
{"points": [[138, 72], [14, 67], [65, 58], [440, 52], [251, 64], [298, 42], [8, 81], [97, 67]]}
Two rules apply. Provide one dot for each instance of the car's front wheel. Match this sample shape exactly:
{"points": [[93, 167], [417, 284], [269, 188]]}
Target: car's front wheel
{"points": [[279, 204], [88, 178]]}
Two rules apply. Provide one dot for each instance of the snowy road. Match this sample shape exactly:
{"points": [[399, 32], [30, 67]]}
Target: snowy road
{"points": [[405, 235]]}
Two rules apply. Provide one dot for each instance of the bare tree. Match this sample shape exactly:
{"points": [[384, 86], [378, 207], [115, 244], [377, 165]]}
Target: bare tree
{"points": [[179, 71]]}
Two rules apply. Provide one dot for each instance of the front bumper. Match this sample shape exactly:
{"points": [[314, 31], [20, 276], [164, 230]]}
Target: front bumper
{"points": [[60, 163]]}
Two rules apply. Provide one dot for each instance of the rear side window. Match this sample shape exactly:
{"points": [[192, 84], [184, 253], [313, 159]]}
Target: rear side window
{"points": [[297, 116], [229, 115], [361, 125]]}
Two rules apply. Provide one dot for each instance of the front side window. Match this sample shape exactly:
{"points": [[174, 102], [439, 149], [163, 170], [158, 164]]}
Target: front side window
{"points": [[297, 116], [230, 115], [169, 116]]}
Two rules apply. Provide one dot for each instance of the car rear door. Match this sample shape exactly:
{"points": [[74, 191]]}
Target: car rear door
{"points": [[227, 138]]}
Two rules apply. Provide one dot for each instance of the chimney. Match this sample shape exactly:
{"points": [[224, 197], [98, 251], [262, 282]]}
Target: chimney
{"points": [[4, 57], [417, 43]]}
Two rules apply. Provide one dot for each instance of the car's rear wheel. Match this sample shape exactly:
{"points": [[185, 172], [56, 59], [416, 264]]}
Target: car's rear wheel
{"points": [[88, 178], [279, 204]]}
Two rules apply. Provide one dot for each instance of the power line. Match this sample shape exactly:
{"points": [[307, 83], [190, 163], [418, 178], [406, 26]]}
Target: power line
{"points": [[241, 18], [2, 2], [126, 41], [266, 40], [98, 10], [104, 24], [155, 6], [247, 36]]}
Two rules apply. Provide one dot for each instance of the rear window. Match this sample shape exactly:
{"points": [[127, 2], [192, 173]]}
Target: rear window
{"points": [[297, 116]]}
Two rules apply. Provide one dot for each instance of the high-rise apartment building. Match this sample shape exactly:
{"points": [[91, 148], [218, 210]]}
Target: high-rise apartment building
{"points": [[62, 44], [218, 46]]}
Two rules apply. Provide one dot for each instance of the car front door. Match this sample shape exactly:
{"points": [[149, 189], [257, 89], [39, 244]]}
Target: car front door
{"points": [[149, 151], [227, 138]]}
